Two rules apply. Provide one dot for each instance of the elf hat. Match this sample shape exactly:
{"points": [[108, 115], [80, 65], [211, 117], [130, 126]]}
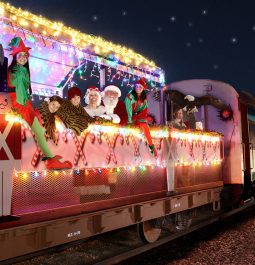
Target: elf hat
{"points": [[72, 92], [17, 45], [142, 82], [90, 90], [111, 88]]}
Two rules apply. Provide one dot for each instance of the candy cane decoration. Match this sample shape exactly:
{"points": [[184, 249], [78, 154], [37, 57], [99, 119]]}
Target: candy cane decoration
{"points": [[38, 152], [127, 139], [56, 133], [121, 139], [99, 137], [92, 138], [82, 141], [80, 152], [23, 132], [157, 143], [64, 135], [136, 152], [111, 144]]}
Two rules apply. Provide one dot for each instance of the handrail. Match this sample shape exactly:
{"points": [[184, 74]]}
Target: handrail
{"points": [[244, 157], [252, 148]]}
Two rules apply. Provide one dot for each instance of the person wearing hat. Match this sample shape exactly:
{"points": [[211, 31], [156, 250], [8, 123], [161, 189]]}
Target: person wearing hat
{"points": [[114, 107], [93, 101], [137, 109], [74, 95], [73, 114], [19, 88]]}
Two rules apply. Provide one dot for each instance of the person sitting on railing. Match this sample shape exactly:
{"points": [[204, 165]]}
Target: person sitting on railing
{"points": [[137, 108], [72, 114], [47, 112], [19, 88]]}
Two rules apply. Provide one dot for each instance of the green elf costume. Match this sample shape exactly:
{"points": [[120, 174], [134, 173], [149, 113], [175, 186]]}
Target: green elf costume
{"points": [[137, 110], [19, 89]]}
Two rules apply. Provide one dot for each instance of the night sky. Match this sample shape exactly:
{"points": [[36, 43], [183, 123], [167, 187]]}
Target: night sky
{"points": [[188, 39]]}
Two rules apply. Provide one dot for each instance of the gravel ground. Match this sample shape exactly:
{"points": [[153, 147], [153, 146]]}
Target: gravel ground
{"points": [[225, 243]]}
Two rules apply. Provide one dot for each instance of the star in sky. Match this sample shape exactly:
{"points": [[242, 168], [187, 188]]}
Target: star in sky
{"points": [[204, 12], [215, 66], [196, 29], [234, 40]]}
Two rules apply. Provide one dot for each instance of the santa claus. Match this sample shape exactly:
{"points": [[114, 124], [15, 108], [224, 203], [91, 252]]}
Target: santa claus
{"points": [[115, 109], [93, 101]]}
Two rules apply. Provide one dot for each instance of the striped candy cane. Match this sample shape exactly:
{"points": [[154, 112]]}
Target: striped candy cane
{"points": [[64, 135], [121, 139], [136, 152], [82, 141], [99, 137], [127, 138], [23, 132], [38, 152], [111, 144], [80, 152]]}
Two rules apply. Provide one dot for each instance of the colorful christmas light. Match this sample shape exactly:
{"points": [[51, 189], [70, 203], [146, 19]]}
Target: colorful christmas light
{"points": [[79, 40]]}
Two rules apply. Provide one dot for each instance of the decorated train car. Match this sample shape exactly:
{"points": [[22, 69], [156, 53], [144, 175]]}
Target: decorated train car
{"points": [[115, 181]]}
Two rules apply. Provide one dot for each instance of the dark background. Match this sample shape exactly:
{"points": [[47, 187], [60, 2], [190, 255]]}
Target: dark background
{"points": [[188, 39]]}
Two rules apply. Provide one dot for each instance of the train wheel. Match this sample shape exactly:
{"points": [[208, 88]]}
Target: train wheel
{"points": [[148, 231]]}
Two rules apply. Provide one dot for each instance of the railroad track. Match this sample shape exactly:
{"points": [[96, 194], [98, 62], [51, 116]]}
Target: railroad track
{"points": [[121, 248]]}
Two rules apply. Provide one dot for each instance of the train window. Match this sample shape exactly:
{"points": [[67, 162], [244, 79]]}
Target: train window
{"points": [[179, 117]]}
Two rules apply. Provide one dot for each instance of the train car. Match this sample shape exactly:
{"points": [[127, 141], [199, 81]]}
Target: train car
{"points": [[115, 181]]}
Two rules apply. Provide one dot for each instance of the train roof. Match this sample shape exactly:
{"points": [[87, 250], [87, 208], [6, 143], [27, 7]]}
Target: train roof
{"points": [[93, 48]]}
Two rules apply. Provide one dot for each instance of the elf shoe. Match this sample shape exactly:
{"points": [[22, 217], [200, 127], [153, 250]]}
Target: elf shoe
{"points": [[153, 150], [54, 163]]}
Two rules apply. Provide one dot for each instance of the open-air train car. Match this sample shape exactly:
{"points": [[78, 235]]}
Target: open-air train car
{"points": [[115, 181]]}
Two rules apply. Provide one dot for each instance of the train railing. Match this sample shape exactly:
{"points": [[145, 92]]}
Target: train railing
{"points": [[109, 162]]}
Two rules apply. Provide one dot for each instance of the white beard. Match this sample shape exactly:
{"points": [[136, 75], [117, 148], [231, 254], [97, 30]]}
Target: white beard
{"points": [[110, 104]]}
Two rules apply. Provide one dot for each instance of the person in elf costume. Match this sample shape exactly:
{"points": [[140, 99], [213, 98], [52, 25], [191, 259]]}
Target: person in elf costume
{"points": [[19, 88], [137, 108]]}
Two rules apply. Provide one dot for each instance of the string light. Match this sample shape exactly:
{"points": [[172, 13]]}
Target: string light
{"points": [[191, 136], [87, 171], [183, 163], [80, 40]]}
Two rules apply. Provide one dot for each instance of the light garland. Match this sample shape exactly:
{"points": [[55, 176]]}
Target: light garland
{"points": [[183, 163], [79, 40], [24, 175], [196, 136]]}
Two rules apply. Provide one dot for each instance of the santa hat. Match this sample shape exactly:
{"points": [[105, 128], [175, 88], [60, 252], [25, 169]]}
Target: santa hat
{"points": [[92, 89], [17, 45], [111, 88], [142, 82], [72, 92]]}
